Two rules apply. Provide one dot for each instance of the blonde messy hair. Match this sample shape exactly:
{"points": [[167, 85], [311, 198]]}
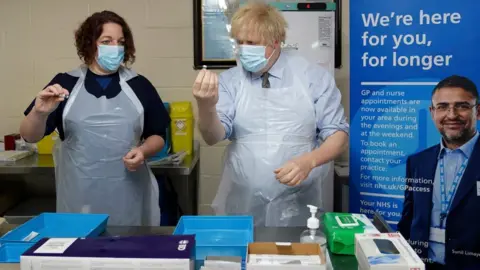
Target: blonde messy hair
{"points": [[262, 19]]}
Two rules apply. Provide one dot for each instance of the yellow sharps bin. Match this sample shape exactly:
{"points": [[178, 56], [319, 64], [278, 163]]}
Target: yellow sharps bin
{"points": [[181, 114], [45, 146]]}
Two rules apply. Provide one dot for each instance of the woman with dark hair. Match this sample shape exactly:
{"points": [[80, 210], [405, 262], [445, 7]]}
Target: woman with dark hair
{"points": [[109, 120]]}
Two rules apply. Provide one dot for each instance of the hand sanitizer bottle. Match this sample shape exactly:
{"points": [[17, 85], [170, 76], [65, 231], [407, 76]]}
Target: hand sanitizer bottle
{"points": [[313, 234]]}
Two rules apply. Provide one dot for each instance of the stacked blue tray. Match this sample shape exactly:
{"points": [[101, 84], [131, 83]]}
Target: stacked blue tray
{"points": [[51, 225], [218, 235]]}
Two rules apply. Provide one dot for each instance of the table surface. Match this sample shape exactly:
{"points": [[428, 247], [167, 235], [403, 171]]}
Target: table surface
{"points": [[37, 162], [342, 262], [342, 169]]}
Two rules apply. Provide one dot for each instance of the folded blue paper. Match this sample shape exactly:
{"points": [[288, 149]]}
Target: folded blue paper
{"points": [[384, 259]]}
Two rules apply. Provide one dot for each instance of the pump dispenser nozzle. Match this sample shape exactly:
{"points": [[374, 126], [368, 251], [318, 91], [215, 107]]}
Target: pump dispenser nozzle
{"points": [[313, 222], [313, 209]]}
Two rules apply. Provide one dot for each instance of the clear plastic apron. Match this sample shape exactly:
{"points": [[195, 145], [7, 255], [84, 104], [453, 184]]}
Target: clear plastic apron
{"points": [[272, 126], [90, 173]]}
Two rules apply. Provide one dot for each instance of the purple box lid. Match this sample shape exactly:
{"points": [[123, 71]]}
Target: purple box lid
{"points": [[142, 247]]}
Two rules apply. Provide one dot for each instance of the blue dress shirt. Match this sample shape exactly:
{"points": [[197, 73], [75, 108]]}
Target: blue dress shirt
{"points": [[453, 160], [326, 97]]}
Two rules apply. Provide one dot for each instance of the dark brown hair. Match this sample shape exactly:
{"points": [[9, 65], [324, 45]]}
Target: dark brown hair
{"points": [[91, 29], [456, 81]]}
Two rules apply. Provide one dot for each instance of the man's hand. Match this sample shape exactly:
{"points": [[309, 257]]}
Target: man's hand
{"points": [[134, 159], [295, 171], [205, 89]]}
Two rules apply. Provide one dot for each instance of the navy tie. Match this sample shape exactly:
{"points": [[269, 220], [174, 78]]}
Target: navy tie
{"points": [[265, 81]]}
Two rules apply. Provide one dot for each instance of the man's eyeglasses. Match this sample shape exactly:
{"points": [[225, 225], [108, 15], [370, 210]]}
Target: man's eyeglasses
{"points": [[460, 107]]}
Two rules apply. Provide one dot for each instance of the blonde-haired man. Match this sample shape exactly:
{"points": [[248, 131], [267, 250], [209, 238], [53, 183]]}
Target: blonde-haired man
{"points": [[275, 107]]}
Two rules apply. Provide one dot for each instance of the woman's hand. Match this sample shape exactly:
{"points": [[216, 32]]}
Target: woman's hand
{"points": [[49, 98], [134, 159]]}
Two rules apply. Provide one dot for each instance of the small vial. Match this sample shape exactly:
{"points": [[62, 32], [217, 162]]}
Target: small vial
{"points": [[63, 96], [85, 209]]}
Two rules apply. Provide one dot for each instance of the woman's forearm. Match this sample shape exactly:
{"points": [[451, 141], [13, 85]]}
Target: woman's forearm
{"points": [[32, 128], [152, 145]]}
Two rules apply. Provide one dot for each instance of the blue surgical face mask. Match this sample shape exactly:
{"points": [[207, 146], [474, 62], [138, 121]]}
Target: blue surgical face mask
{"points": [[110, 57], [252, 57]]}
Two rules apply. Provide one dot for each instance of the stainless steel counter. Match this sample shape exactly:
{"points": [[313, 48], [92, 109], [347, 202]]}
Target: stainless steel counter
{"points": [[38, 163], [184, 177]]}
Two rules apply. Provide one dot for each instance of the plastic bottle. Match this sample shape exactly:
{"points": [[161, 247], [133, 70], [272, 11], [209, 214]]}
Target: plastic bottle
{"points": [[313, 234]]}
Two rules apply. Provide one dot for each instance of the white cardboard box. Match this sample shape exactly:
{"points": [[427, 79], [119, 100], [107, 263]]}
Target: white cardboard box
{"points": [[385, 251], [285, 256], [222, 263]]}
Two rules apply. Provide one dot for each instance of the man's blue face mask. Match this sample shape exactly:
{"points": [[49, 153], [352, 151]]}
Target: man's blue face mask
{"points": [[252, 57], [110, 57]]}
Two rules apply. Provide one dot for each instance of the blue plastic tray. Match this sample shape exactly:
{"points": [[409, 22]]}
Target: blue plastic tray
{"points": [[11, 252], [51, 225], [217, 235], [58, 225]]}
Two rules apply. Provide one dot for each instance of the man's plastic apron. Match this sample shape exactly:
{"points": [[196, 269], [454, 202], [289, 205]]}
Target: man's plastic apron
{"points": [[271, 127], [90, 174]]}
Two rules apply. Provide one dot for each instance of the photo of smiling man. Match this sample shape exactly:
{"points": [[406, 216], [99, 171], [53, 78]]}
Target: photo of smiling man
{"points": [[443, 225]]}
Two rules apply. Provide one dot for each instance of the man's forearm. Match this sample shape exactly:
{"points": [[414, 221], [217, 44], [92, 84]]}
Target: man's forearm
{"points": [[32, 127], [333, 147], [152, 145], [210, 126]]}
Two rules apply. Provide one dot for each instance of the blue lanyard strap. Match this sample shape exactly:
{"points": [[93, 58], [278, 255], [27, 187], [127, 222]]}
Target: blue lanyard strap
{"points": [[448, 198]]}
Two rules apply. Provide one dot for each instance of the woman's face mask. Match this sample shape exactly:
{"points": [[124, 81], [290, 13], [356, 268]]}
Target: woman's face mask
{"points": [[252, 57], [110, 57]]}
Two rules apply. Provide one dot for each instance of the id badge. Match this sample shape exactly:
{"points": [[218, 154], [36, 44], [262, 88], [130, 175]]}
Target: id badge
{"points": [[437, 235]]}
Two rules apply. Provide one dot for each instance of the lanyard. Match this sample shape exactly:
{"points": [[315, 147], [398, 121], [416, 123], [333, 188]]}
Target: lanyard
{"points": [[447, 199]]}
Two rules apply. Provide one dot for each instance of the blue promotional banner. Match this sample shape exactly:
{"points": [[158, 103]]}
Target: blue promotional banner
{"points": [[399, 51]]}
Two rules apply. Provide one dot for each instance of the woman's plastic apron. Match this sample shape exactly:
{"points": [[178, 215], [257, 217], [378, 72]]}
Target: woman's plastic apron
{"points": [[90, 174], [272, 126]]}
